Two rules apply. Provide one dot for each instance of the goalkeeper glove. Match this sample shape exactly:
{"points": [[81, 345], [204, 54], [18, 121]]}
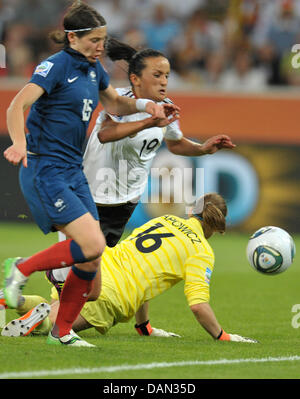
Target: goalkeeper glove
{"points": [[146, 329], [156, 332], [223, 336]]}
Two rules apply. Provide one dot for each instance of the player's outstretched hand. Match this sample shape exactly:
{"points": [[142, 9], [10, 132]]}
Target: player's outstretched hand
{"points": [[16, 153], [156, 332], [239, 338], [216, 143], [224, 336]]}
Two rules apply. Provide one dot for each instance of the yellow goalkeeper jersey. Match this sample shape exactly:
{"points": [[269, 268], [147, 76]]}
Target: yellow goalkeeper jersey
{"points": [[156, 256]]}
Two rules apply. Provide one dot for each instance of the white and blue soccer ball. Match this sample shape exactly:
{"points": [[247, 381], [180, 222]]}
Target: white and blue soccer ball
{"points": [[271, 250]]}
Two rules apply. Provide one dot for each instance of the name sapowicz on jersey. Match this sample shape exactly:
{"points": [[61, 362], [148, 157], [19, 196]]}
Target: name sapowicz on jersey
{"points": [[183, 228]]}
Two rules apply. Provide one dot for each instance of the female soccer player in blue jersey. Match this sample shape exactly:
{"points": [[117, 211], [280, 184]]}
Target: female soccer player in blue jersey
{"points": [[63, 92]]}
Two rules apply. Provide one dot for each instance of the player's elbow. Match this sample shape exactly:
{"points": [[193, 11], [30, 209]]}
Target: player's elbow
{"points": [[195, 308], [15, 107], [174, 147], [198, 308], [108, 132], [103, 137]]}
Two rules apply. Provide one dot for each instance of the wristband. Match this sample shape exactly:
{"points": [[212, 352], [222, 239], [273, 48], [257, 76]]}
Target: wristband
{"points": [[144, 328], [223, 336], [141, 104]]}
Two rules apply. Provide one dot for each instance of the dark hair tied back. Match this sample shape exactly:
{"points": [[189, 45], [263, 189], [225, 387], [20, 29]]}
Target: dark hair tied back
{"points": [[78, 16], [117, 50]]}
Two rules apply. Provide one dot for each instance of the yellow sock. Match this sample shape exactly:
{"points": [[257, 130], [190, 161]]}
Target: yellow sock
{"points": [[30, 301]]}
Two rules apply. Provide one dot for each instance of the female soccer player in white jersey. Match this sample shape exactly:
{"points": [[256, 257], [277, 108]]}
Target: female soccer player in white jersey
{"points": [[63, 92], [120, 150], [155, 257]]}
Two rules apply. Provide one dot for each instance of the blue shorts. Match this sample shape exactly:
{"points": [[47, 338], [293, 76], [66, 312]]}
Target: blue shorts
{"points": [[56, 193]]}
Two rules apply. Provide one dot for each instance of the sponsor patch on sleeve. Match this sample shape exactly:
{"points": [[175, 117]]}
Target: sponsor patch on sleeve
{"points": [[208, 275], [43, 68]]}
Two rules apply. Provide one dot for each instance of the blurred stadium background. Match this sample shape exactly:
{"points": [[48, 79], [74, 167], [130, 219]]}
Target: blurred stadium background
{"points": [[231, 73]]}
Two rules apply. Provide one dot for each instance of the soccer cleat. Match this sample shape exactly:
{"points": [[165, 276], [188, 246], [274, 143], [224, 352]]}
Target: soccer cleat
{"points": [[2, 299], [52, 340], [14, 282], [57, 284], [71, 339], [28, 322]]}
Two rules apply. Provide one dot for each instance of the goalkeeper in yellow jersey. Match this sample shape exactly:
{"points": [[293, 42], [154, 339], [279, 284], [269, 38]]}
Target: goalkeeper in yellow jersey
{"points": [[156, 256]]}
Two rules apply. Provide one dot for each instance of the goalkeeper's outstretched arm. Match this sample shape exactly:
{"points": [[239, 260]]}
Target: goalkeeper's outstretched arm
{"points": [[206, 317], [143, 326]]}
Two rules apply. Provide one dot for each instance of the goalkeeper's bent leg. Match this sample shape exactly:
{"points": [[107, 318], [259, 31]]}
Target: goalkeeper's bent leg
{"points": [[28, 302]]}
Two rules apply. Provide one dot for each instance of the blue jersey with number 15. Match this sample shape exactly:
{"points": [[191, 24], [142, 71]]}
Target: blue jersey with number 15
{"points": [[58, 120]]}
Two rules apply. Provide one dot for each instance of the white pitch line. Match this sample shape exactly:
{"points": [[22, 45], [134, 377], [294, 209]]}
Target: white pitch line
{"points": [[149, 366]]}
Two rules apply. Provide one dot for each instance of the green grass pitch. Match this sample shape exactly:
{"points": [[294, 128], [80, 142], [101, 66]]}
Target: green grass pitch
{"points": [[244, 302]]}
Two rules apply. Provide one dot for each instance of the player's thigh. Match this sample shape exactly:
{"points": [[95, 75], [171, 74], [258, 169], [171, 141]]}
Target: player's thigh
{"points": [[56, 195], [86, 231]]}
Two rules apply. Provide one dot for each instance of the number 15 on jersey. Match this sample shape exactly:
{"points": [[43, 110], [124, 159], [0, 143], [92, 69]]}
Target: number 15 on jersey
{"points": [[86, 109]]}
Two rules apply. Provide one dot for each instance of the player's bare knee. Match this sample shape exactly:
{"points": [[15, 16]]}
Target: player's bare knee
{"points": [[93, 254], [94, 249], [90, 266]]}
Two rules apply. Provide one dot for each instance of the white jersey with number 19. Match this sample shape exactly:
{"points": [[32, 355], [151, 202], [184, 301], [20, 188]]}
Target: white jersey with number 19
{"points": [[118, 171]]}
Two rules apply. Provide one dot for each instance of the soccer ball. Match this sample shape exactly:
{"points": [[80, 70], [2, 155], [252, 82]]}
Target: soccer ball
{"points": [[271, 250]]}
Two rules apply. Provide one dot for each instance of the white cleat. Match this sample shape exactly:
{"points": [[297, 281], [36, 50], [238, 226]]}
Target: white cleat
{"points": [[73, 340], [27, 323], [13, 283]]}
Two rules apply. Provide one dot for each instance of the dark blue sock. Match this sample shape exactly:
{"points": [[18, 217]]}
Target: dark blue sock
{"points": [[77, 253], [84, 275]]}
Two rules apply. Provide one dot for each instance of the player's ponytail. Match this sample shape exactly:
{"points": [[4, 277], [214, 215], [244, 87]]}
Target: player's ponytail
{"points": [[211, 209], [214, 217], [59, 37], [117, 50]]}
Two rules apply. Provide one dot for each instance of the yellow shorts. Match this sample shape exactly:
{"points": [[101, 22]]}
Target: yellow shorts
{"points": [[54, 294], [99, 314]]}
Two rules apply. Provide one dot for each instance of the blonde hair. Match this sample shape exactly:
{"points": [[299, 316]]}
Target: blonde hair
{"points": [[211, 209]]}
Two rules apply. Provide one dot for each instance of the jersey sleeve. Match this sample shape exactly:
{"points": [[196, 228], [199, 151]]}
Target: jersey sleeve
{"points": [[104, 77], [173, 132], [47, 75], [197, 274], [101, 117]]}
